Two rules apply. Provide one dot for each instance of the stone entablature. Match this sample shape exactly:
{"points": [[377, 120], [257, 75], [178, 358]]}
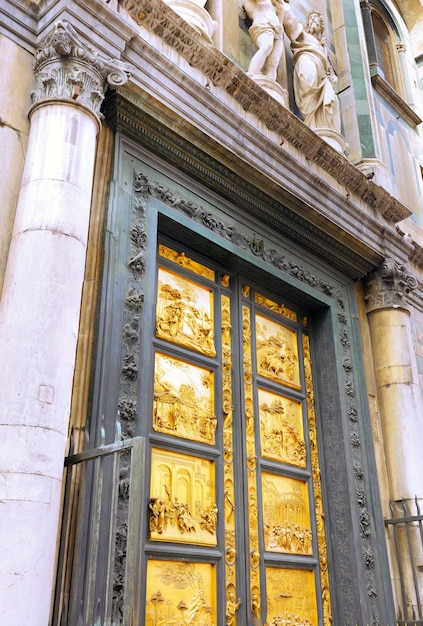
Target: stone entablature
{"points": [[156, 16], [67, 68]]}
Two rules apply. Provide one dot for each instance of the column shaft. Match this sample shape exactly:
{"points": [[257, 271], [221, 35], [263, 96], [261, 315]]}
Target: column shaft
{"points": [[401, 411], [40, 313], [399, 398], [39, 319]]}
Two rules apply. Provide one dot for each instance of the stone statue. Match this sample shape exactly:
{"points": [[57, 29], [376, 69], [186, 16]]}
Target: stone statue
{"points": [[266, 33], [314, 77]]}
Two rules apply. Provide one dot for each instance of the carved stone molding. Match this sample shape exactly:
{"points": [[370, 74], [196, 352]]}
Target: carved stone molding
{"points": [[416, 255], [395, 100], [67, 68], [389, 286]]}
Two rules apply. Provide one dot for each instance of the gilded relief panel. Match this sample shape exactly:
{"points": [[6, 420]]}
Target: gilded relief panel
{"points": [[182, 504], [317, 487], [276, 307], [186, 262], [291, 597], [183, 400], [286, 515], [277, 352], [281, 429], [184, 313], [180, 593]]}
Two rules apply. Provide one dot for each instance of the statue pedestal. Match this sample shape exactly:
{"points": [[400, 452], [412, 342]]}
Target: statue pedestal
{"points": [[272, 87], [193, 12], [332, 137]]}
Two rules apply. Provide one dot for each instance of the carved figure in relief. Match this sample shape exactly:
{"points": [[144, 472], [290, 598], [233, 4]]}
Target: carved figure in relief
{"points": [[231, 606], [178, 515], [230, 555], [208, 519], [314, 76], [179, 318], [288, 537], [255, 601], [184, 518], [157, 515], [266, 33], [277, 359]]}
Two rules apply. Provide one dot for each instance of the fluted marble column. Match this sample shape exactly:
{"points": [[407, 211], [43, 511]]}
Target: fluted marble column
{"points": [[399, 393], [39, 314]]}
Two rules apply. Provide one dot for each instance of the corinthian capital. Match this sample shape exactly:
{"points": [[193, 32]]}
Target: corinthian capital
{"points": [[388, 286], [67, 68]]}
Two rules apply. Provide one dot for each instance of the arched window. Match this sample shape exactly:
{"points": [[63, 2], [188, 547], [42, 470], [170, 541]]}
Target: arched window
{"points": [[385, 50]]}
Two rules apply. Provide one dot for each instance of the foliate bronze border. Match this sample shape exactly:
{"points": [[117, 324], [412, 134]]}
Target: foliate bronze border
{"points": [[317, 486], [251, 469], [232, 604]]}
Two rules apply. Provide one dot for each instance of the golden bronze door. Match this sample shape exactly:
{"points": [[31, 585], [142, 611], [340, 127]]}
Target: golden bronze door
{"points": [[235, 516]]}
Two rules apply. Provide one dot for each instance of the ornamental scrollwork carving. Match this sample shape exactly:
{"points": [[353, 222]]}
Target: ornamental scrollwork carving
{"points": [[389, 286], [67, 68]]}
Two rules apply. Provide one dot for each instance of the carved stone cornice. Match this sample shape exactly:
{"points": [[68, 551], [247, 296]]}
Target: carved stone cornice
{"points": [[158, 18], [395, 100], [388, 286], [416, 256], [68, 69]]}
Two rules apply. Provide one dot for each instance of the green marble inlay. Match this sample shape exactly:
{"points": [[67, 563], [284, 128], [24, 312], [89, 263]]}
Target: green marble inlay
{"points": [[366, 136]]}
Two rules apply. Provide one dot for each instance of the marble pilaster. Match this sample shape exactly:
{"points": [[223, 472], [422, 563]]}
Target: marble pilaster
{"points": [[40, 312]]}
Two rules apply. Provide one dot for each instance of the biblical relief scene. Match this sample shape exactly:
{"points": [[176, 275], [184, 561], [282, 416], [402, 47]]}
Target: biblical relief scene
{"points": [[286, 515], [277, 352], [180, 594], [281, 429], [291, 597], [183, 400], [182, 499], [184, 313]]}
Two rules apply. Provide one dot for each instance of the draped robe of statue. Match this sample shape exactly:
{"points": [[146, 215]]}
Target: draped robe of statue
{"points": [[314, 78]]}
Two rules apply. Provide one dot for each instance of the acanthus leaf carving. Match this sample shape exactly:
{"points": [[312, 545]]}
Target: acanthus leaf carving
{"points": [[67, 68], [389, 286]]}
